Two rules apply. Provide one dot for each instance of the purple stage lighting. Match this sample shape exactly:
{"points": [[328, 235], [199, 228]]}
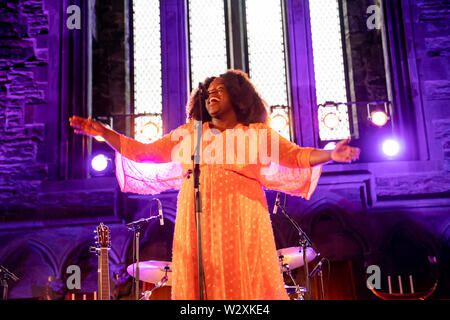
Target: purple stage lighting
{"points": [[391, 147], [99, 163]]}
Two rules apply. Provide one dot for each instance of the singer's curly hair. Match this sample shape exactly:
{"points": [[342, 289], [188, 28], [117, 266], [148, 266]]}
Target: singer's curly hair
{"points": [[246, 102]]}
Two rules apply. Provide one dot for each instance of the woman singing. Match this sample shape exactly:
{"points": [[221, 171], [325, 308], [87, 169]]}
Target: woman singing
{"points": [[241, 155]]}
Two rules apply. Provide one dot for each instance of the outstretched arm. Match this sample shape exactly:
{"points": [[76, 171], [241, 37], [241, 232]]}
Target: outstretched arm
{"points": [[291, 155], [342, 153], [93, 128], [159, 151]]}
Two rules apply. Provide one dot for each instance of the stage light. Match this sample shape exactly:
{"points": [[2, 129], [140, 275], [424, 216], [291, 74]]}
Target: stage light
{"points": [[99, 139], [150, 131], [279, 122], [330, 146], [379, 118], [391, 147], [331, 120], [99, 163]]}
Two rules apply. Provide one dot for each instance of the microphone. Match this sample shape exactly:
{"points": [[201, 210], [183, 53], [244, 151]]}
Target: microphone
{"points": [[145, 220], [316, 268], [140, 221], [275, 206], [161, 217]]}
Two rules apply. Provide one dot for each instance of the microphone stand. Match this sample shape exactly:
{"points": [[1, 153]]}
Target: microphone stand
{"points": [[196, 158], [135, 226], [318, 269], [304, 242], [6, 275]]}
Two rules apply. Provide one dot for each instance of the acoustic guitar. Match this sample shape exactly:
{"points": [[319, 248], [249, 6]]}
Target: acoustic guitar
{"points": [[103, 245]]}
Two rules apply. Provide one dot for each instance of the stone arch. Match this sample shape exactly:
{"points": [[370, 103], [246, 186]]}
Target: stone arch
{"points": [[88, 263], [33, 263], [409, 249], [331, 226], [333, 230], [305, 213]]}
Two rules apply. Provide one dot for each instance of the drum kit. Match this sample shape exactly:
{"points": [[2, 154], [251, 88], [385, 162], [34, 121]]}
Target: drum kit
{"points": [[156, 272], [159, 273]]}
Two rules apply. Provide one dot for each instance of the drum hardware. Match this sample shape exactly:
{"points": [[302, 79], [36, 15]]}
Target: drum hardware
{"points": [[293, 256], [135, 226], [153, 271], [305, 244], [300, 291], [6, 275], [147, 294]]}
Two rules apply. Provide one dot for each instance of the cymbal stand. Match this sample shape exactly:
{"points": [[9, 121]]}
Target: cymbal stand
{"points": [[285, 267], [147, 294], [6, 275], [304, 243]]}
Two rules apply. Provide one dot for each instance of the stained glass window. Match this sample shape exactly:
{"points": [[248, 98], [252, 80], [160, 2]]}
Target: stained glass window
{"points": [[207, 39], [329, 69], [267, 58], [147, 70]]}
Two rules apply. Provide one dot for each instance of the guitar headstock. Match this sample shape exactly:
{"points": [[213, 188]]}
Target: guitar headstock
{"points": [[103, 236]]}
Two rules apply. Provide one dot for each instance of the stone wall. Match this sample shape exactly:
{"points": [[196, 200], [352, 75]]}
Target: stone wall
{"points": [[22, 23], [432, 45]]}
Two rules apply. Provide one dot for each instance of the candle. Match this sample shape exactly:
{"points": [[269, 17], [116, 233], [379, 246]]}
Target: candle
{"points": [[389, 284], [400, 284], [411, 284]]}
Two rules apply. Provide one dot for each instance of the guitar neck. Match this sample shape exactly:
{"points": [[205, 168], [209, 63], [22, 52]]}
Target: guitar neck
{"points": [[103, 275]]}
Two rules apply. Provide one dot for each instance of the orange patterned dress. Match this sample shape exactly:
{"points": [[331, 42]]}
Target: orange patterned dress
{"points": [[240, 260]]}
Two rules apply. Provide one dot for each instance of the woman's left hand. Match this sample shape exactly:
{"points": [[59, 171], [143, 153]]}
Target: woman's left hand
{"points": [[345, 153]]}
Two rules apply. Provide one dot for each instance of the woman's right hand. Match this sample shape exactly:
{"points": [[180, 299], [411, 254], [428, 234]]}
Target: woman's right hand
{"points": [[87, 126]]}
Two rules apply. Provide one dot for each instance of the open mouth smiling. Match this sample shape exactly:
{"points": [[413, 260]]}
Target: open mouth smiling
{"points": [[213, 100]]}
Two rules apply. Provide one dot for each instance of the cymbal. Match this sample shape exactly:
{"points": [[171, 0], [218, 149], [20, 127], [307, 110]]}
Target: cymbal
{"points": [[152, 271], [293, 257]]}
